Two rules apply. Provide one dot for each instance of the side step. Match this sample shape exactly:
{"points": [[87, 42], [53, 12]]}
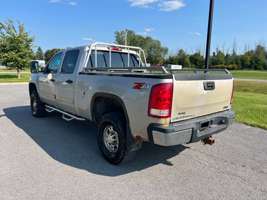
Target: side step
{"points": [[66, 116]]}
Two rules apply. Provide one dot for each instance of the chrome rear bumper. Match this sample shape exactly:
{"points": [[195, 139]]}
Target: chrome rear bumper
{"points": [[190, 131]]}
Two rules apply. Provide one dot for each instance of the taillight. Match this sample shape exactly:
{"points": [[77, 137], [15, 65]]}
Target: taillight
{"points": [[232, 97], [160, 102]]}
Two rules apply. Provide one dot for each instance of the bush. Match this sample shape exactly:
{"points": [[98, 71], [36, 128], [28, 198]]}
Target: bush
{"points": [[229, 67]]}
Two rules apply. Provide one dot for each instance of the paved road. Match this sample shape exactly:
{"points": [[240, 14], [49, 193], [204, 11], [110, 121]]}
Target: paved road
{"points": [[52, 159]]}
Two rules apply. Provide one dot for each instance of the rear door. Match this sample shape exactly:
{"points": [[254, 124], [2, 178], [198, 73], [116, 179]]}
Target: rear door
{"points": [[200, 94], [66, 81]]}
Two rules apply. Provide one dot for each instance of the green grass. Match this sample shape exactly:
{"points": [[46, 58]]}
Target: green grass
{"points": [[251, 86], [12, 78], [12, 70], [250, 74], [250, 103]]}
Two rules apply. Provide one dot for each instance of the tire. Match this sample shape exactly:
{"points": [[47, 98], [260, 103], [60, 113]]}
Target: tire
{"points": [[112, 137], [37, 106]]}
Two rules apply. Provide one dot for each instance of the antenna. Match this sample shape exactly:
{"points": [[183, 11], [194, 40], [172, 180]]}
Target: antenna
{"points": [[211, 12]]}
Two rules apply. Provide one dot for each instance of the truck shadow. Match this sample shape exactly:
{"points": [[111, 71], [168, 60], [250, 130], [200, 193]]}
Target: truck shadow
{"points": [[75, 144]]}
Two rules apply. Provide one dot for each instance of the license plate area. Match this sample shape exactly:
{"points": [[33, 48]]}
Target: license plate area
{"points": [[205, 125]]}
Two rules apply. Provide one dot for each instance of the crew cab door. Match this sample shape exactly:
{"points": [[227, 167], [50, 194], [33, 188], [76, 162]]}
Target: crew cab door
{"points": [[47, 80], [66, 81]]}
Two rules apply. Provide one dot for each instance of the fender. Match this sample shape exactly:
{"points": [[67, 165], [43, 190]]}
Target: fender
{"points": [[129, 136]]}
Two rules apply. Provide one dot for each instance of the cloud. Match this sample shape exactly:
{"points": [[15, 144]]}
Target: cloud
{"points": [[171, 5], [68, 2], [163, 5], [149, 30], [196, 34], [54, 1], [87, 39], [142, 3], [72, 3], [146, 31]]}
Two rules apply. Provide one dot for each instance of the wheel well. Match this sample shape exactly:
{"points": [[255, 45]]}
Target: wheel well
{"points": [[105, 104]]}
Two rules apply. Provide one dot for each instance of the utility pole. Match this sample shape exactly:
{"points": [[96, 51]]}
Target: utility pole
{"points": [[211, 12], [126, 35]]}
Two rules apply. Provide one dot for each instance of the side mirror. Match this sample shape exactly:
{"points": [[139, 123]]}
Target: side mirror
{"points": [[50, 76], [37, 66]]}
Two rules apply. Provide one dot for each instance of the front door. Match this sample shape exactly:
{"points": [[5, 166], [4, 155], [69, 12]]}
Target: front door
{"points": [[66, 81], [47, 81]]}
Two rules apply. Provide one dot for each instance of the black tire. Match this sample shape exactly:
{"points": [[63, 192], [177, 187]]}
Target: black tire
{"points": [[116, 121], [37, 106]]}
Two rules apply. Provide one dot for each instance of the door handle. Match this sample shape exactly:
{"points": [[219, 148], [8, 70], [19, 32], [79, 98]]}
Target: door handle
{"points": [[69, 81]]}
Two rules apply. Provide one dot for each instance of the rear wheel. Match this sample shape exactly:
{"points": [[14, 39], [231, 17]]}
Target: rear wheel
{"points": [[112, 137], [37, 106]]}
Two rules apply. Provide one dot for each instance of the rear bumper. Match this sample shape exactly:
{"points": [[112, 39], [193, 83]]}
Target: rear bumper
{"points": [[190, 131]]}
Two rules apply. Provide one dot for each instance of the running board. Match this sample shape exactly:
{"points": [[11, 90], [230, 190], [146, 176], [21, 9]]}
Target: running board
{"points": [[66, 116]]}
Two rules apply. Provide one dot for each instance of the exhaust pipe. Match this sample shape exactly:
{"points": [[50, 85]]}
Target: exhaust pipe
{"points": [[209, 140]]}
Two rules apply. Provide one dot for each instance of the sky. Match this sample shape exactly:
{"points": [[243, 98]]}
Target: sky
{"points": [[176, 23]]}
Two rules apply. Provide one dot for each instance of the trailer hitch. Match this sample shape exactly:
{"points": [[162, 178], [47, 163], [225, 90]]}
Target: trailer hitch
{"points": [[209, 140]]}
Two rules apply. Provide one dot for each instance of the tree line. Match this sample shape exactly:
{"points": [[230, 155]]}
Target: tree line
{"points": [[16, 51], [255, 59]]}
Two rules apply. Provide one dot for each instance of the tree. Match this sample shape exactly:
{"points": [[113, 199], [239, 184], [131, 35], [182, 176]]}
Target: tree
{"points": [[183, 59], [15, 46], [187, 61], [246, 60], [227, 59], [154, 51], [259, 60], [250, 59], [197, 60], [50, 53], [172, 60], [218, 58], [231, 61], [39, 54]]}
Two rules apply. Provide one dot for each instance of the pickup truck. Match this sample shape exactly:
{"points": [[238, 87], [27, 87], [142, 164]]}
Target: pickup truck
{"points": [[131, 103]]}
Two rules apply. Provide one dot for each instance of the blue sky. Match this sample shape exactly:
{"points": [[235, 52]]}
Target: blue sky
{"points": [[176, 23]]}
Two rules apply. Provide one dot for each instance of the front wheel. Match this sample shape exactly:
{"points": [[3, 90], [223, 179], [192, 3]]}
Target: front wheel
{"points": [[112, 137], [37, 106]]}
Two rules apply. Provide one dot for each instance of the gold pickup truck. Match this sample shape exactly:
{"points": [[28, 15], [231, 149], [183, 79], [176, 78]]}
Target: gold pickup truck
{"points": [[129, 102]]}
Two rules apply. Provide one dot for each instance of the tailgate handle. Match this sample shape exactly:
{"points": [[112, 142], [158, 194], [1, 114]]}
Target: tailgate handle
{"points": [[209, 85]]}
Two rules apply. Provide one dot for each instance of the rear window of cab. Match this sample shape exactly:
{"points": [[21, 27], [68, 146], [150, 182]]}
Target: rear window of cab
{"points": [[118, 60]]}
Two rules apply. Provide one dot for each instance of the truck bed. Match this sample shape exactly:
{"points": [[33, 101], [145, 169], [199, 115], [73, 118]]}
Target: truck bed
{"points": [[192, 96], [184, 74]]}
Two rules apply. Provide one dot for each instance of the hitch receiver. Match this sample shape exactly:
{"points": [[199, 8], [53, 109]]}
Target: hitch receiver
{"points": [[209, 140]]}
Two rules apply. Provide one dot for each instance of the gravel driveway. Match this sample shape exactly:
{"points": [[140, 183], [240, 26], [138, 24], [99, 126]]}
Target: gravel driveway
{"points": [[52, 159]]}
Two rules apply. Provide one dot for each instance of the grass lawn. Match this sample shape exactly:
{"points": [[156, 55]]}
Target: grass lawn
{"points": [[12, 78], [250, 103], [12, 70], [251, 86], [250, 74]]}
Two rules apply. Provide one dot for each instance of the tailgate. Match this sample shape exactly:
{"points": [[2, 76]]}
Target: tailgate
{"points": [[198, 94]]}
